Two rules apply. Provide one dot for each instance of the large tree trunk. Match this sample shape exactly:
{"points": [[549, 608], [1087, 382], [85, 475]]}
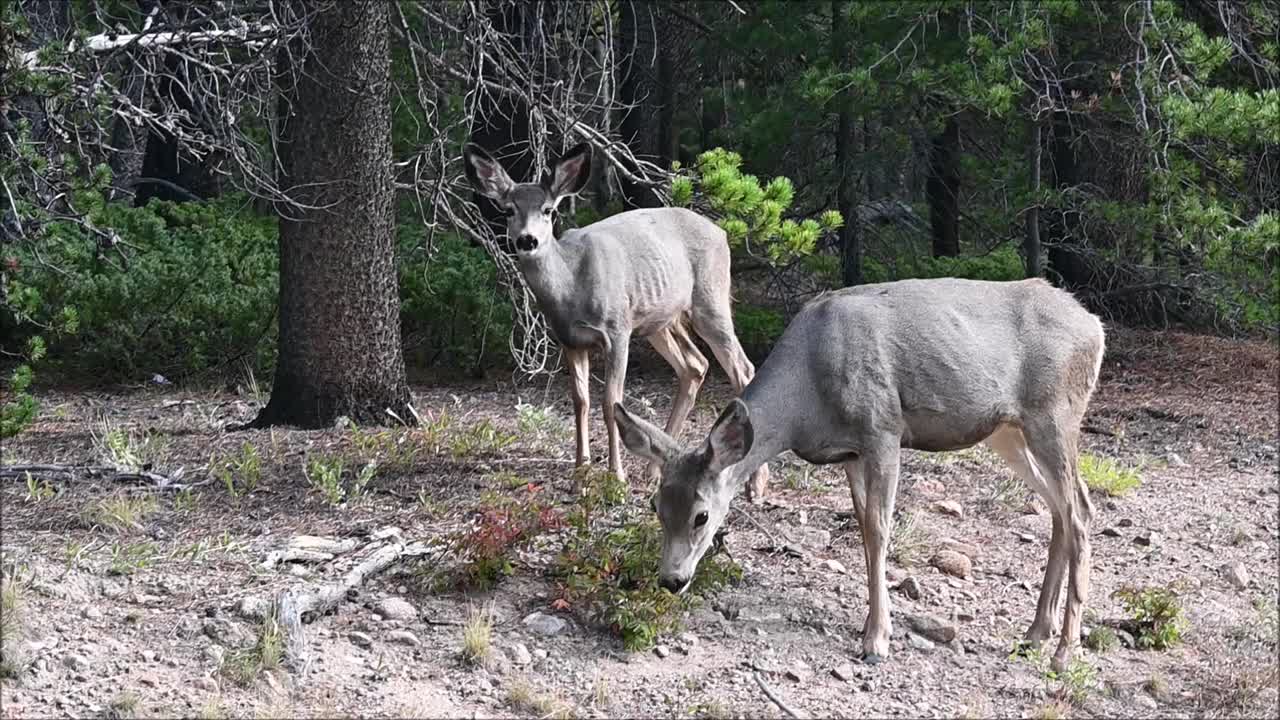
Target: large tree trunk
{"points": [[339, 309], [636, 48], [943, 190], [850, 239]]}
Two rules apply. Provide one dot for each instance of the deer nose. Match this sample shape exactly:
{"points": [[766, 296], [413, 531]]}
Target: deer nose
{"points": [[673, 584], [526, 242]]}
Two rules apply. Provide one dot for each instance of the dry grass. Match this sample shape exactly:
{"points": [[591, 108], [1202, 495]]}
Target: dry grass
{"points": [[909, 541], [120, 512], [124, 705], [13, 660], [477, 637], [523, 697]]}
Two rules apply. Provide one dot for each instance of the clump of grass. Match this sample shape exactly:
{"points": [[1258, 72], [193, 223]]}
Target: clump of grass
{"points": [[1155, 616], [1156, 686], [213, 709], [712, 710], [1008, 492], [482, 438], [1056, 710], [124, 705], [119, 448], [1106, 476], [121, 512], [186, 500], [128, 559], [1070, 686], [239, 473], [908, 540], [1102, 640], [477, 638], [39, 490], [540, 424], [13, 660], [329, 476], [523, 697], [243, 667]]}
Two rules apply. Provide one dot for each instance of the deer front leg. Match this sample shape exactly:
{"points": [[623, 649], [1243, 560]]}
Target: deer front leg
{"points": [[580, 387], [881, 481], [616, 376]]}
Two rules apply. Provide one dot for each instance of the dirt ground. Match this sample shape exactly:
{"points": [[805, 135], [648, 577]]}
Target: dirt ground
{"points": [[141, 619]]}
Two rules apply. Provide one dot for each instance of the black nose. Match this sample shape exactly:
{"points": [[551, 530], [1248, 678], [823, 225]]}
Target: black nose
{"points": [[526, 243], [673, 584]]}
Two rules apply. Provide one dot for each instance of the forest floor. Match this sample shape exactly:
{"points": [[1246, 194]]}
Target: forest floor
{"points": [[126, 600]]}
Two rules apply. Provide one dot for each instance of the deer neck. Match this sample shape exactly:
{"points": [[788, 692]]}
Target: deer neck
{"points": [[771, 426], [548, 276]]}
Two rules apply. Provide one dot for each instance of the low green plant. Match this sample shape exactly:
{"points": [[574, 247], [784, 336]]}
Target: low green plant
{"points": [[186, 500], [482, 438], [13, 659], [1155, 616], [124, 705], [243, 667], [241, 473], [1071, 685], [390, 451], [504, 523], [540, 424], [1102, 639], [39, 490], [121, 512], [908, 540], [121, 449], [330, 476], [477, 638], [758, 328], [128, 559], [1107, 476]]}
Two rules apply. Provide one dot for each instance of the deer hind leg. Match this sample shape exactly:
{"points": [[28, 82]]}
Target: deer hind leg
{"points": [[676, 347], [880, 484], [714, 324], [580, 387], [616, 351], [1011, 444]]}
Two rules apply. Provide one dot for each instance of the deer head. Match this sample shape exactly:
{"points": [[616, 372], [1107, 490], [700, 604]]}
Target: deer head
{"points": [[697, 485], [529, 207]]}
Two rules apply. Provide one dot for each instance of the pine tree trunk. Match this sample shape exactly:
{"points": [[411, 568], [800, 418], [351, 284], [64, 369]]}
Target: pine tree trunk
{"points": [[1031, 242], [340, 351], [943, 190], [850, 240]]}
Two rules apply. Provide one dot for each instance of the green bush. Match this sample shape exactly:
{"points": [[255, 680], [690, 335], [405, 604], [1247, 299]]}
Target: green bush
{"points": [[451, 306], [193, 285], [1001, 264], [758, 329]]}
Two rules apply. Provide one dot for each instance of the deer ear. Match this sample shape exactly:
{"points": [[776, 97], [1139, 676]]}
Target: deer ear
{"points": [[643, 438], [571, 173], [731, 437], [485, 173]]}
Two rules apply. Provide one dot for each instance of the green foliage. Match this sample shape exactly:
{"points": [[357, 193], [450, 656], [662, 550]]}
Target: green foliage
{"points": [[1102, 639], [758, 328], [750, 214], [1155, 614], [1001, 264], [239, 474], [482, 438], [1105, 475], [504, 524], [20, 406]]}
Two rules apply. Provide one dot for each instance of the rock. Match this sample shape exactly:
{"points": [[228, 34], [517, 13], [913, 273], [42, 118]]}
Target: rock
{"points": [[1124, 522], [688, 639], [148, 680], [952, 563], [910, 587], [1146, 701], [932, 628], [844, 672], [207, 684], [226, 633], [76, 662], [540, 654], [810, 538], [1237, 575], [1111, 532], [91, 612], [1032, 508], [930, 488], [919, 643], [543, 624], [1150, 538], [360, 639], [254, 608], [1126, 638], [965, 616], [148, 656], [215, 654], [1175, 460], [969, 551], [404, 637], [520, 655], [662, 651], [948, 507], [799, 671], [834, 565], [1026, 537], [394, 608]]}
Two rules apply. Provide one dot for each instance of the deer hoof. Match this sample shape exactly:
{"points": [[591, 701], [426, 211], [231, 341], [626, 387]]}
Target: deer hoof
{"points": [[872, 658]]}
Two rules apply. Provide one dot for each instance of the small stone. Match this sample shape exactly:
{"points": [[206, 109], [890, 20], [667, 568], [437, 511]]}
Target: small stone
{"points": [[919, 643], [1148, 539], [688, 639], [148, 656], [662, 651], [810, 538], [1026, 537], [207, 684], [404, 637], [834, 565], [1126, 638], [1146, 701], [359, 639], [930, 488], [520, 655], [91, 612], [952, 563], [1111, 532], [148, 680], [799, 671], [969, 551], [964, 616], [932, 628], [543, 624], [540, 654], [1175, 460], [844, 672], [394, 608], [1124, 522], [253, 608], [1237, 575], [910, 587], [948, 507], [215, 654], [1032, 509], [75, 662]]}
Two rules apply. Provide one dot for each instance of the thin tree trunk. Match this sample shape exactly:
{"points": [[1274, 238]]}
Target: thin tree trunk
{"points": [[1065, 256], [850, 239], [1031, 242], [635, 52], [340, 351], [668, 134], [943, 190]]}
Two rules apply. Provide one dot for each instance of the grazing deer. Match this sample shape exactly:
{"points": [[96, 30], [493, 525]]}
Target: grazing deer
{"points": [[922, 364], [657, 273]]}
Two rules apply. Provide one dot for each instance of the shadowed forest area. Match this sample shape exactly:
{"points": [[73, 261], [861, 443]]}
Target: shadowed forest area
{"points": [[284, 431]]}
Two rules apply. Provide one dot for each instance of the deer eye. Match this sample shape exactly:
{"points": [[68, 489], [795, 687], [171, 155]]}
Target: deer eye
{"points": [[508, 211], [700, 520], [546, 211]]}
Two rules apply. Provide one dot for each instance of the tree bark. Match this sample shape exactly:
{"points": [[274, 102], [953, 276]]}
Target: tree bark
{"points": [[943, 190], [1065, 257], [850, 238], [636, 47], [1031, 242], [340, 351]]}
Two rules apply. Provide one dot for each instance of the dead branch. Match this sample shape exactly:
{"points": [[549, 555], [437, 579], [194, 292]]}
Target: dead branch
{"points": [[96, 472], [777, 700]]}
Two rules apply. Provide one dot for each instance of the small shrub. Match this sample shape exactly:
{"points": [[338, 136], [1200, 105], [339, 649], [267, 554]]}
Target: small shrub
{"points": [[758, 328], [128, 559], [1107, 476], [121, 512], [1156, 686], [39, 490], [124, 705], [1102, 640], [908, 540], [523, 697], [239, 474], [1155, 616], [482, 438], [477, 638], [504, 524]]}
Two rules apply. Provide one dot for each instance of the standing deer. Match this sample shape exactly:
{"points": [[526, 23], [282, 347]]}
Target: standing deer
{"points": [[656, 273], [922, 364]]}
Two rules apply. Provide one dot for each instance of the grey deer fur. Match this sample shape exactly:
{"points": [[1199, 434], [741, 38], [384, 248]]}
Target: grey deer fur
{"points": [[922, 364], [657, 273]]}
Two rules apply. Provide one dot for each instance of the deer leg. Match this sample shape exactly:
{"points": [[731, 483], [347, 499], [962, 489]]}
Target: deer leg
{"points": [[580, 386], [1010, 443], [677, 348], [881, 484], [616, 376], [716, 327]]}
